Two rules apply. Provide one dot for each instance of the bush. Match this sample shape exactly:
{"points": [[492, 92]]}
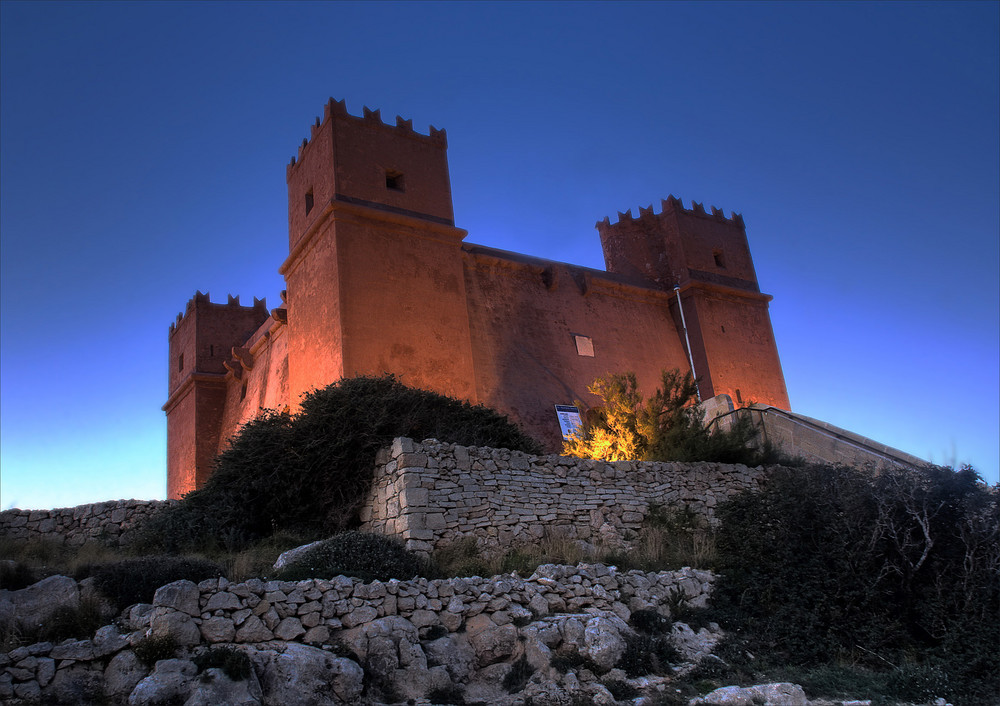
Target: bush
{"points": [[667, 427], [892, 570], [236, 665], [647, 654], [132, 581], [370, 557], [152, 649], [14, 575], [308, 473], [518, 676]]}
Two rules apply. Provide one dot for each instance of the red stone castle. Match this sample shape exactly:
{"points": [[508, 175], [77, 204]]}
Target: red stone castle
{"points": [[379, 279]]}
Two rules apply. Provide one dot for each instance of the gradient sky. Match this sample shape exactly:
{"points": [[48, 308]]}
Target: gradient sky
{"points": [[143, 150]]}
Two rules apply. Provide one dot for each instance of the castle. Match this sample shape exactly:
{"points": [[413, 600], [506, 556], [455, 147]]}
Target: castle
{"points": [[379, 279]]}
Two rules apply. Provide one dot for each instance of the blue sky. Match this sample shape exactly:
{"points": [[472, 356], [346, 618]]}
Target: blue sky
{"points": [[143, 150]]}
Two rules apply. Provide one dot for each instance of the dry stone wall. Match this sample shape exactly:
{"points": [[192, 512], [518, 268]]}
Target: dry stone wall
{"points": [[417, 635], [434, 493], [105, 521]]}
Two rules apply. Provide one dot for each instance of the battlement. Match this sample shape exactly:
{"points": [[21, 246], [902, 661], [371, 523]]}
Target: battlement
{"points": [[670, 205], [233, 304], [337, 110]]}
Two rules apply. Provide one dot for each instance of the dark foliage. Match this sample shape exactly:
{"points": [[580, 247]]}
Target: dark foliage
{"points": [[647, 654], [308, 473], [666, 427], [621, 690], [236, 665], [568, 661], [451, 694], [14, 575], [650, 622], [132, 581], [370, 557], [518, 676], [894, 571], [152, 649]]}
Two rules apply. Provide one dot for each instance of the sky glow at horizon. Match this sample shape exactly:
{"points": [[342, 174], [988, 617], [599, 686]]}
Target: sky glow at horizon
{"points": [[143, 150]]}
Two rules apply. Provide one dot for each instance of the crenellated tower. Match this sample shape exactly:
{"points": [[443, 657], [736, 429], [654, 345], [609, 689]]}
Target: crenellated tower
{"points": [[374, 273], [707, 257], [201, 341]]}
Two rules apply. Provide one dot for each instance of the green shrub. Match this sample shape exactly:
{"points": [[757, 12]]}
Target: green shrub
{"points": [[878, 568], [666, 427], [152, 649], [308, 473], [132, 581], [236, 665], [370, 557]]}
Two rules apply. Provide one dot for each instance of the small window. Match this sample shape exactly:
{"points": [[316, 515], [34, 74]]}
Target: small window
{"points": [[243, 392], [584, 346], [211, 351], [393, 180], [180, 362], [739, 397], [720, 261], [309, 201]]}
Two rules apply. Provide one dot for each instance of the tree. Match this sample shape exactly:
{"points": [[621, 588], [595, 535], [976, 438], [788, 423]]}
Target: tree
{"points": [[667, 427]]}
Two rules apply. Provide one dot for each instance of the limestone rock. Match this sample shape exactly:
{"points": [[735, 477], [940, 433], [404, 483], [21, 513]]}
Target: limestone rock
{"points": [[494, 644], [603, 642], [122, 674], [455, 655], [32, 606], [76, 684], [307, 676], [180, 595], [218, 629], [286, 558], [176, 624], [782, 694], [694, 646], [170, 682]]}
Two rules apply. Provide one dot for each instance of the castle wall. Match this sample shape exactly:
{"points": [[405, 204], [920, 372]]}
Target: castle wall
{"points": [[263, 386], [432, 494], [525, 314]]}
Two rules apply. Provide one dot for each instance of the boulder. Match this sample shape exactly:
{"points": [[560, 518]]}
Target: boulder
{"points": [[307, 676], [170, 682], [76, 684], [286, 558], [603, 642], [781, 694], [180, 595], [453, 654], [122, 674], [178, 625], [30, 607]]}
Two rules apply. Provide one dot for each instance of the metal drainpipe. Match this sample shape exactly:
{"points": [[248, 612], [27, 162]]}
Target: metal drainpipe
{"points": [[687, 341]]}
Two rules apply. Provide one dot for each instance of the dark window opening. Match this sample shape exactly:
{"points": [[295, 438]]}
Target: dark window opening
{"points": [[211, 351], [243, 392], [393, 180], [309, 201], [720, 261], [723, 329], [180, 362], [739, 397]]}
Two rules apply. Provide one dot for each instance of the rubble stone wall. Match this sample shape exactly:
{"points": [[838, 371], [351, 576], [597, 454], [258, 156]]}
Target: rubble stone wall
{"points": [[106, 521], [418, 634], [434, 493]]}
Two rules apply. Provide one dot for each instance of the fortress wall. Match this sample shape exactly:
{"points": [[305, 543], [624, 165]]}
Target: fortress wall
{"points": [[524, 316], [106, 521], [266, 381], [433, 493]]}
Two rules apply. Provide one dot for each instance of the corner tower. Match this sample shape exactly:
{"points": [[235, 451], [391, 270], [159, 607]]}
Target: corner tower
{"points": [[201, 341], [374, 272], [708, 258]]}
